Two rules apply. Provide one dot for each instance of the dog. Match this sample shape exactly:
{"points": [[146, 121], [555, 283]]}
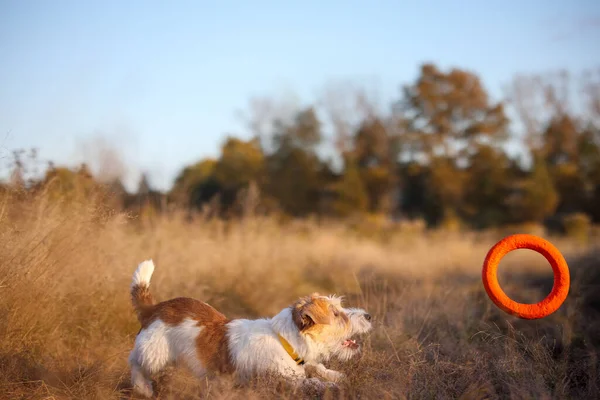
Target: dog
{"points": [[183, 330]]}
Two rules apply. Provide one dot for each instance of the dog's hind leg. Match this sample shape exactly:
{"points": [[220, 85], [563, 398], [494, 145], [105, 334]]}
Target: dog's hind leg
{"points": [[139, 380], [194, 366], [151, 354]]}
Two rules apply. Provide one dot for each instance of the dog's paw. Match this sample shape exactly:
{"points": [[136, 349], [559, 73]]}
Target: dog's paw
{"points": [[144, 389], [327, 374], [335, 376]]}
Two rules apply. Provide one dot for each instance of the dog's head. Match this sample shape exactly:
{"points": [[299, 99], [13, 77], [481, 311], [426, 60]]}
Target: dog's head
{"points": [[360, 323], [329, 325]]}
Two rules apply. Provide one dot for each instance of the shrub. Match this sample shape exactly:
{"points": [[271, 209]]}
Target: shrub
{"points": [[577, 226]]}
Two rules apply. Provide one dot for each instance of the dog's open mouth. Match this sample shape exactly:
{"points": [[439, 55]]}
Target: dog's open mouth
{"points": [[352, 344]]}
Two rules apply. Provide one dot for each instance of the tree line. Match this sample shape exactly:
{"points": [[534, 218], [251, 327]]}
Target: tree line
{"points": [[437, 153]]}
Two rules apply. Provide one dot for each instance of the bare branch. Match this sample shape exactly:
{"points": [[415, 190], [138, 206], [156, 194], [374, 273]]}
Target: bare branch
{"points": [[524, 95]]}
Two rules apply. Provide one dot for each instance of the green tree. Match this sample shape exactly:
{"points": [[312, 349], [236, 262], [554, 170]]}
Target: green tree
{"points": [[589, 154], [374, 159], [190, 185], [241, 162], [560, 147], [535, 197], [447, 116], [294, 168], [445, 190], [487, 188], [351, 195], [560, 140], [414, 187], [589, 164]]}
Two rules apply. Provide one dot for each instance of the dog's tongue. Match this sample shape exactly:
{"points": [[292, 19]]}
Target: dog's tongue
{"points": [[350, 343]]}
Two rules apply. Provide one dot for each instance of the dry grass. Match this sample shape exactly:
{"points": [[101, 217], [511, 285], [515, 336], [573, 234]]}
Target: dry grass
{"points": [[66, 324]]}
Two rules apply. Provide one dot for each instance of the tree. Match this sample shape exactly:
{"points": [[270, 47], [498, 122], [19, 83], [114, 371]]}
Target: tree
{"points": [[570, 186], [294, 180], [67, 184], [559, 132], [346, 106], [590, 87], [240, 163], [337, 99], [445, 189], [190, 188], [561, 152], [447, 116], [17, 175], [374, 159], [450, 113], [588, 148], [144, 185], [560, 140], [350, 193], [487, 188], [589, 168], [117, 195], [414, 197], [534, 198], [536, 100], [304, 133], [294, 168]]}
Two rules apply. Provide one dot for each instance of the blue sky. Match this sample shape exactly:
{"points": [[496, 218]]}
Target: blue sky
{"points": [[162, 81]]}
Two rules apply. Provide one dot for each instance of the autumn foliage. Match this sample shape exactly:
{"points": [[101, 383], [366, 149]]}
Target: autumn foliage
{"points": [[441, 154]]}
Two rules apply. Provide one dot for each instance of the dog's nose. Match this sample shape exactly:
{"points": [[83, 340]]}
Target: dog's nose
{"points": [[368, 317]]}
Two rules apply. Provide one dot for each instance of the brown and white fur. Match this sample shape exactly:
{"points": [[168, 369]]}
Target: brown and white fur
{"points": [[194, 333]]}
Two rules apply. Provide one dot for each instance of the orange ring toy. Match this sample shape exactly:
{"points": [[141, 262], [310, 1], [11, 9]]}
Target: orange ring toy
{"points": [[562, 280]]}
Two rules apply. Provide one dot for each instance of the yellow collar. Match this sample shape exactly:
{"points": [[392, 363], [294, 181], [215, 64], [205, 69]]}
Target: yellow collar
{"points": [[290, 350]]}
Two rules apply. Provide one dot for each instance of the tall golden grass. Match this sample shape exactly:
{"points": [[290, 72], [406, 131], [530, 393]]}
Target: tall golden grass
{"points": [[66, 323]]}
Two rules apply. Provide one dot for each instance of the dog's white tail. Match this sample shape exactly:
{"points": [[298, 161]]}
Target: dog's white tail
{"points": [[140, 288], [143, 273]]}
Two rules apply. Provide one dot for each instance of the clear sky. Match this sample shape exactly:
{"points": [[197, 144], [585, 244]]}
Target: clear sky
{"points": [[162, 80]]}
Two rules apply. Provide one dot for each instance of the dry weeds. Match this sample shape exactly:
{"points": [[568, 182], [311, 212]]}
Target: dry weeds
{"points": [[66, 324]]}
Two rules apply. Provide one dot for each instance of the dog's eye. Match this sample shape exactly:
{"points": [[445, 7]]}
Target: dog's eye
{"points": [[336, 312]]}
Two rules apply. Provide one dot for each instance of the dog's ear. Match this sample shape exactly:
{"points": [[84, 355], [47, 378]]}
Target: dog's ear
{"points": [[303, 321], [310, 311]]}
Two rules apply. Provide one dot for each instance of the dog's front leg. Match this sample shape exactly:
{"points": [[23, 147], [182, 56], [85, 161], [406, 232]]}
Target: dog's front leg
{"points": [[325, 373]]}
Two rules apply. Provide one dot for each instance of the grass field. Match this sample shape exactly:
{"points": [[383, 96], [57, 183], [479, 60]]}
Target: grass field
{"points": [[66, 323]]}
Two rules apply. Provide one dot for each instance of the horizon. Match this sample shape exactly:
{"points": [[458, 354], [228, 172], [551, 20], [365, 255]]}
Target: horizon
{"points": [[164, 85]]}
